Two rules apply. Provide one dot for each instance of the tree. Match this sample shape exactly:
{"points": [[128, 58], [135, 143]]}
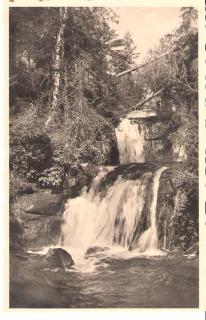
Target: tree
{"points": [[57, 64], [31, 42], [124, 55], [67, 83]]}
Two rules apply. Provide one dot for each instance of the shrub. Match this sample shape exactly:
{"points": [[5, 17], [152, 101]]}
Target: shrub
{"points": [[52, 178], [30, 146]]}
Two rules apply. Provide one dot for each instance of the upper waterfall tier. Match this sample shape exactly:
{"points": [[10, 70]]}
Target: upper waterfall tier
{"points": [[143, 137]]}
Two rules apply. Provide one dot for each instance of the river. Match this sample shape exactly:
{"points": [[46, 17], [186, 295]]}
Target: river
{"points": [[134, 282]]}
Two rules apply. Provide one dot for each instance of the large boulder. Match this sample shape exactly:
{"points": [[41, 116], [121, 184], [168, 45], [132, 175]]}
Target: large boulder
{"points": [[39, 217], [59, 258], [44, 203]]}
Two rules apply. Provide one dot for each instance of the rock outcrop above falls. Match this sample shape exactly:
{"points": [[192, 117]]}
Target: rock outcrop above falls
{"points": [[144, 137]]}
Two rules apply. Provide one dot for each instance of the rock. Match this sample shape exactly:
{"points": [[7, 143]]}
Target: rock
{"points": [[81, 181], [95, 249], [113, 154], [25, 189], [39, 226], [89, 169], [59, 258], [194, 249], [166, 187], [44, 203]]}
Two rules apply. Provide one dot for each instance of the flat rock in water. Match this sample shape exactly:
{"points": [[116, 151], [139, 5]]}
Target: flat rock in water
{"points": [[59, 258]]}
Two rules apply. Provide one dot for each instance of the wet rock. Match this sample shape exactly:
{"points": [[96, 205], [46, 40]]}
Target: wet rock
{"points": [[44, 203], [95, 249], [36, 226], [194, 249], [81, 180], [166, 187], [25, 189], [113, 154], [89, 169], [59, 258], [154, 131]]}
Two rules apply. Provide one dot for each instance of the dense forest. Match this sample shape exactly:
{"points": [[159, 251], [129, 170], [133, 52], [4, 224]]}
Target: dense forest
{"points": [[66, 99]]}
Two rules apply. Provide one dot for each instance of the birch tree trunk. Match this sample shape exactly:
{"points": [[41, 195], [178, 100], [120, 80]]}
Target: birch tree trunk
{"points": [[58, 56]]}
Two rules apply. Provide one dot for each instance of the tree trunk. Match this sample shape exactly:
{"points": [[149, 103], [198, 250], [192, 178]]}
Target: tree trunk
{"points": [[141, 65], [153, 95], [59, 53]]}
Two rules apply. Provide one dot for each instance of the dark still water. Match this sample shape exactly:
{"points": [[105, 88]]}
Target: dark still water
{"points": [[133, 282]]}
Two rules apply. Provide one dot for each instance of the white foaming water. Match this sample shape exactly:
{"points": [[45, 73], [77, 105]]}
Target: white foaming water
{"points": [[130, 142], [148, 241], [110, 221]]}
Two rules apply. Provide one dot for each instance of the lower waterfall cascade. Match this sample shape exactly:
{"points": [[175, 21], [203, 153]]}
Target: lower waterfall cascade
{"points": [[110, 220]]}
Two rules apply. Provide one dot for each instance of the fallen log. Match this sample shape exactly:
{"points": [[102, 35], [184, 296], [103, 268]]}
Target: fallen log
{"points": [[141, 65], [153, 95]]}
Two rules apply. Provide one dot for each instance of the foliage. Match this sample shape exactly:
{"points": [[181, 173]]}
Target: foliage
{"points": [[18, 186], [86, 137], [88, 101], [88, 39], [123, 56], [184, 226], [177, 72], [52, 177], [30, 147], [91, 101]]}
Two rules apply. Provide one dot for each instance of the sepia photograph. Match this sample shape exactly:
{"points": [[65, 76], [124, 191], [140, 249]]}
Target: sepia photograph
{"points": [[103, 157]]}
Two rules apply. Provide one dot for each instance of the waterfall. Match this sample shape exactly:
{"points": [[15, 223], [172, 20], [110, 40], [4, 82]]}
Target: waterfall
{"points": [[112, 218], [130, 142], [148, 241], [123, 213]]}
